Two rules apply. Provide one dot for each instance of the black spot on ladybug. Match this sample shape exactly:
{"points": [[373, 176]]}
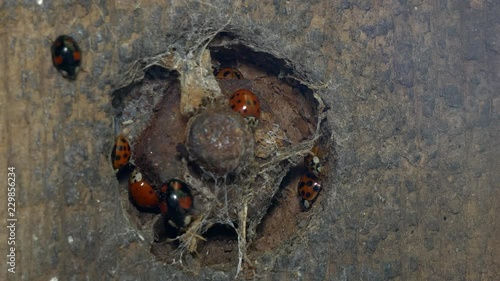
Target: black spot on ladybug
{"points": [[237, 94], [308, 194], [249, 102], [309, 183], [302, 192], [120, 148], [232, 106], [302, 184], [238, 101], [244, 110], [117, 157], [125, 155], [254, 102], [225, 74]]}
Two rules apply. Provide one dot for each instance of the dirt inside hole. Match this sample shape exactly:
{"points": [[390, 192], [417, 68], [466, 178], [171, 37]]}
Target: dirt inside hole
{"points": [[222, 242], [158, 130], [155, 150], [280, 222]]}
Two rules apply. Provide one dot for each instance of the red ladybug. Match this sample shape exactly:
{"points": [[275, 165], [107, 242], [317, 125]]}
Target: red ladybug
{"points": [[229, 73], [247, 104], [308, 190], [120, 155], [66, 56], [143, 194], [179, 202]]}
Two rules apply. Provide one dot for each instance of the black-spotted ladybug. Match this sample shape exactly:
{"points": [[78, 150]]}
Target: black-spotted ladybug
{"points": [[308, 189], [179, 202], [229, 73]]}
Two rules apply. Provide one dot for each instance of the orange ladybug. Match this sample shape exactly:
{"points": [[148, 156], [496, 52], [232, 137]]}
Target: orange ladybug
{"points": [[121, 153], [247, 104], [308, 189], [229, 73], [143, 194]]}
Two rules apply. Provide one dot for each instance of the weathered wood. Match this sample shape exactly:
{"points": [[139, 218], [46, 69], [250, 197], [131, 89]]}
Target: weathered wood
{"points": [[414, 110]]}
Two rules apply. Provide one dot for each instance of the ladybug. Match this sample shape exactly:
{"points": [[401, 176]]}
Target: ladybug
{"points": [[247, 104], [308, 190], [120, 155], [66, 56], [179, 202], [142, 193], [229, 73], [313, 162]]}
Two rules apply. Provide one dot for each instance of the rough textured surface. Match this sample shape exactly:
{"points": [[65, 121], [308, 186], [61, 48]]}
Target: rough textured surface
{"points": [[219, 141], [414, 107]]}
